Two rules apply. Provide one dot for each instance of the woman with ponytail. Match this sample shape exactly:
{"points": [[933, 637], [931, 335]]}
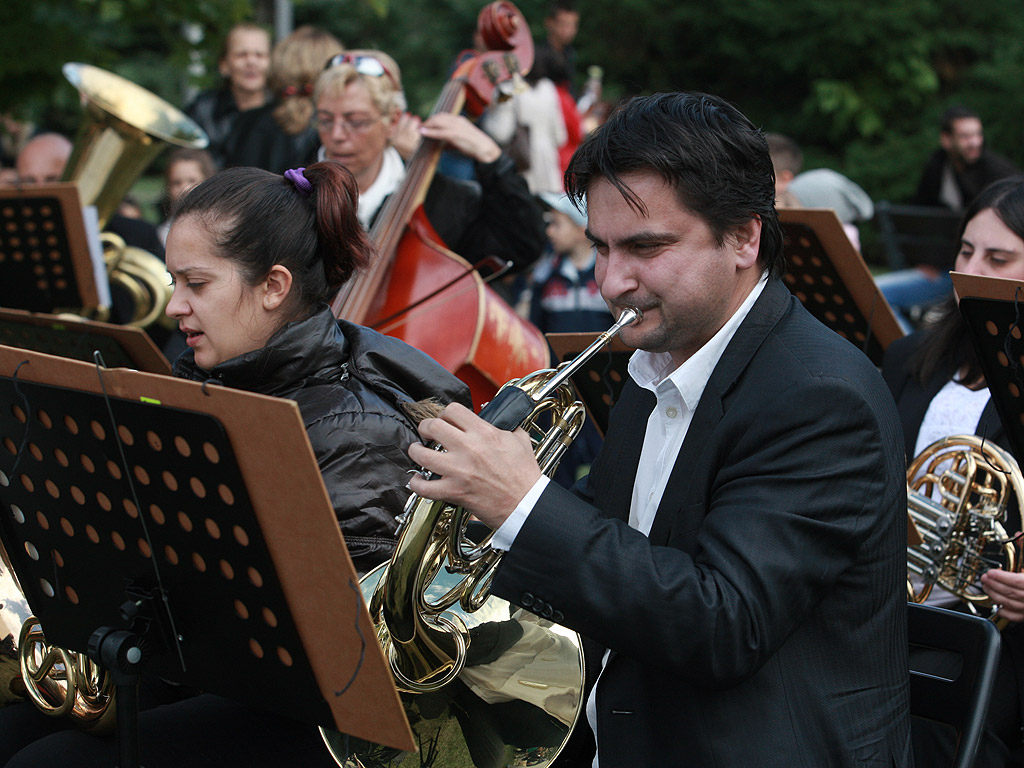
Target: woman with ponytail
{"points": [[255, 258]]}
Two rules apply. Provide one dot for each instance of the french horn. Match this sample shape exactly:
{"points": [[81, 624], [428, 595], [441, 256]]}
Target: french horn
{"points": [[958, 491], [59, 682], [483, 682]]}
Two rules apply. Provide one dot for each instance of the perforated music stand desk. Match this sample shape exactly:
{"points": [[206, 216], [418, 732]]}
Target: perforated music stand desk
{"points": [[121, 346], [993, 309], [216, 511], [599, 382], [829, 277], [44, 251]]}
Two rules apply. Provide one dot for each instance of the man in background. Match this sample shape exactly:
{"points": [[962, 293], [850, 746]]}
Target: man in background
{"points": [[561, 25], [42, 159], [961, 166]]}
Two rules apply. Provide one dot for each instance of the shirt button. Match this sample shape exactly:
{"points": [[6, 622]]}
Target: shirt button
{"points": [[671, 412]]}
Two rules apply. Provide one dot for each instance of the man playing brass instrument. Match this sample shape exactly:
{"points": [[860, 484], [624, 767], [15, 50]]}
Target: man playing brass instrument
{"points": [[740, 558]]}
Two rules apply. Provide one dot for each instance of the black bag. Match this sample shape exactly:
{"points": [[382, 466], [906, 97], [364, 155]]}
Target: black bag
{"points": [[518, 147]]}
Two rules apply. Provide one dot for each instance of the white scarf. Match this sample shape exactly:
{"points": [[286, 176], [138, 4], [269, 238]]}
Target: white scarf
{"points": [[392, 171]]}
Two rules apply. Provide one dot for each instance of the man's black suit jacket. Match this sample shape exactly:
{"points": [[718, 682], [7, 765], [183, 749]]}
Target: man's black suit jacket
{"points": [[763, 623]]}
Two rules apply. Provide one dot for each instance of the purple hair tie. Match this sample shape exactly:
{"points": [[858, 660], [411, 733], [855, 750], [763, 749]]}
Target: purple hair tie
{"points": [[296, 177]]}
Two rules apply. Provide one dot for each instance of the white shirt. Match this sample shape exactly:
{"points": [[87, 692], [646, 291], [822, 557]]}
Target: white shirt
{"points": [[678, 392], [392, 171]]}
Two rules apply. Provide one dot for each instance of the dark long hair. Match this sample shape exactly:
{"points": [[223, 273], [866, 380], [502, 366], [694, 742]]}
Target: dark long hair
{"points": [[947, 344], [260, 219], [704, 147]]}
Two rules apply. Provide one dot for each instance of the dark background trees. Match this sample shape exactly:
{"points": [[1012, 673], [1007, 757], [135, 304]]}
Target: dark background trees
{"points": [[859, 83]]}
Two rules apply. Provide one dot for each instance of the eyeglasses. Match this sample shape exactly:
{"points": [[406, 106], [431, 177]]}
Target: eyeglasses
{"points": [[364, 65], [324, 121]]}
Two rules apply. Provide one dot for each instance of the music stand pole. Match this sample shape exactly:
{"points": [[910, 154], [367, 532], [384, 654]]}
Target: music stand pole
{"points": [[119, 651]]}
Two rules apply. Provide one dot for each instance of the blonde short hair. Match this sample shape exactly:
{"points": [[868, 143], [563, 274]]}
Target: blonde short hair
{"points": [[383, 93]]}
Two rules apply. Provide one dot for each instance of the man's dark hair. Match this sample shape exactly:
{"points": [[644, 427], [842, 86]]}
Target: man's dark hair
{"points": [[954, 113], [559, 6], [701, 145]]}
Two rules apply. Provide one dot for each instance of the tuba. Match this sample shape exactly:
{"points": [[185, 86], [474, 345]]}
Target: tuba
{"points": [[125, 128], [483, 682], [958, 491]]}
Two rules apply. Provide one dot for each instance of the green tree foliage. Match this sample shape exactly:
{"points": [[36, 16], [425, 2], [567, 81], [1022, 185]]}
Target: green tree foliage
{"points": [[141, 40], [859, 83]]}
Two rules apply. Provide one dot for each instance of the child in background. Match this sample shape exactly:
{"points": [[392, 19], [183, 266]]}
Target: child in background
{"points": [[186, 168], [565, 297]]}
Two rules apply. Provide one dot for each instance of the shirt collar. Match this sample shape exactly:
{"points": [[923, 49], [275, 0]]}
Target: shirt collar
{"points": [[653, 371], [392, 171]]}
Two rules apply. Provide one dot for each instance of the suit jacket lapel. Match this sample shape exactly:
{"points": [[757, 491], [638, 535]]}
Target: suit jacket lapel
{"points": [[762, 318], [615, 471]]}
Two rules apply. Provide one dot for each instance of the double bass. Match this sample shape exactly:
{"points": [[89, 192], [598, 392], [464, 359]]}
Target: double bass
{"points": [[417, 289]]}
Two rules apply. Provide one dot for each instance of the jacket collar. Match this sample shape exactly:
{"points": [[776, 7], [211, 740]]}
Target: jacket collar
{"points": [[321, 348], [301, 349]]}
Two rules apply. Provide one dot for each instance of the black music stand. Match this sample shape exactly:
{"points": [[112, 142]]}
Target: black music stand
{"points": [[188, 524], [599, 382], [44, 250], [121, 346], [830, 278], [993, 309]]}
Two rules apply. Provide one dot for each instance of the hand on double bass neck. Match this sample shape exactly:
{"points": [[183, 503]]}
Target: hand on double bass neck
{"points": [[458, 132]]}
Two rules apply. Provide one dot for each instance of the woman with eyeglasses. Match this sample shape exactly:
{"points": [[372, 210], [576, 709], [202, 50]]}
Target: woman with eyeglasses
{"points": [[361, 121], [255, 257]]}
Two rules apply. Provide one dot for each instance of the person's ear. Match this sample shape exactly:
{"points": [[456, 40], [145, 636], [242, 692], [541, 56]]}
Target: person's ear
{"points": [[946, 141], [746, 241], [276, 287]]}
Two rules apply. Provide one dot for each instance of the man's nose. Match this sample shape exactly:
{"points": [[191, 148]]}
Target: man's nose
{"points": [[617, 277]]}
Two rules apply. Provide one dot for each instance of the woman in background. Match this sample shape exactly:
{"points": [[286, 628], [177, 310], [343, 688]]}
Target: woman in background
{"points": [[361, 120], [936, 378]]}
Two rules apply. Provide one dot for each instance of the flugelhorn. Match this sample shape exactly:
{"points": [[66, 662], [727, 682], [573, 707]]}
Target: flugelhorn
{"points": [[958, 491], [477, 675]]}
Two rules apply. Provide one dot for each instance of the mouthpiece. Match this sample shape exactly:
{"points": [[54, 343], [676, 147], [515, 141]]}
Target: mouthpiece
{"points": [[628, 316]]}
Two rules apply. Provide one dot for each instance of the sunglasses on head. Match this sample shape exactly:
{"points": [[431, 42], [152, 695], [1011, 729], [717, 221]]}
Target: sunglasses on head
{"points": [[364, 65]]}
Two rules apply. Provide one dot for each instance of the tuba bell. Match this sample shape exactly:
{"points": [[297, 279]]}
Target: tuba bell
{"points": [[958, 492], [124, 129], [483, 682]]}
